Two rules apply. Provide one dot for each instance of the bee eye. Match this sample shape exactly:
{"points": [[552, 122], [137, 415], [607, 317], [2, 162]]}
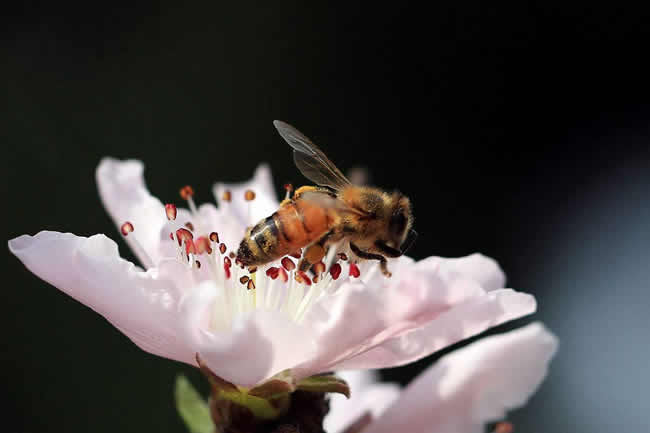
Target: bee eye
{"points": [[397, 224]]}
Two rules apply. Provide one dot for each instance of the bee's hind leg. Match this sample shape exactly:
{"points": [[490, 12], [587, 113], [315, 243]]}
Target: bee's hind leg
{"points": [[315, 252], [383, 263]]}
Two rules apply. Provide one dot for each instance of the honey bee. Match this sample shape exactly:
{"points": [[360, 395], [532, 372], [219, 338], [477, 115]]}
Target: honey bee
{"points": [[375, 223]]}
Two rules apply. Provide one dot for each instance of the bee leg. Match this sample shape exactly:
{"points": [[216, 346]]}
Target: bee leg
{"points": [[383, 264], [315, 252], [388, 251]]}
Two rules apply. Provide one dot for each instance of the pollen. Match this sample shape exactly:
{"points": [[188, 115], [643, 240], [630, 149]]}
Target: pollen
{"points": [[222, 249], [244, 279], [288, 264], [227, 196], [335, 271], [250, 285], [186, 192], [182, 235], [214, 237], [126, 228], [354, 270], [249, 195], [170, 210], [272, 272]]}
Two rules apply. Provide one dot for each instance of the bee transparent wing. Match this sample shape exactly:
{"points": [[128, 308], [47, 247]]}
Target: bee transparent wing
{"points": [[310, 160], [323, 199]]}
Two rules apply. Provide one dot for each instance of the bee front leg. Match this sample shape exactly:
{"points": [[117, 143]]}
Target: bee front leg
{"points": [[388, 251], [383, 264]]}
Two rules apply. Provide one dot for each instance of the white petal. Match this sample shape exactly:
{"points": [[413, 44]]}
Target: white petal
{"points": [[143, 305], [423, 308], [265, 202], [368, 395], [484, 270], [125, 196], [261, 344], [474, 385]]}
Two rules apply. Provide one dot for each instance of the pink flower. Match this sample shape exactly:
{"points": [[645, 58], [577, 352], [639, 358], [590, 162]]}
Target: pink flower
{"points": [[458, 394], [188, 300]]}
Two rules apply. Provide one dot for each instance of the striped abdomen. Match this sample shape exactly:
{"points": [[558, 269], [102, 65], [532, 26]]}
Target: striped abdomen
{"points": [[296, 224]]}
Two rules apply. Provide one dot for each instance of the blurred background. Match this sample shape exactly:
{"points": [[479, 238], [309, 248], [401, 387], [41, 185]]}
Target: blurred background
{"points": [[520, 131]]}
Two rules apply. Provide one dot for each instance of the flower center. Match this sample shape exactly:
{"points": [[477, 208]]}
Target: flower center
{"points": [[278, 286]]}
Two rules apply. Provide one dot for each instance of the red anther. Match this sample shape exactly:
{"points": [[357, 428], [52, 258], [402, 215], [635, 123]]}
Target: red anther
{"points": [[182, 235], [335, 270], [296, 254], [252, 269], [170, 210], [288, 187], [250, 285], [272, 272], [283, 274], [504, 427], [249, 195], [244, 279], [302, 277], [189, 225], [343, 256], [214, 237], [227, 195], [126, 228], [222, 248], [171, 235], [197, 264], [190, 248], [318, 268], [226, 269], [186, 192], [227, 262], [288, 264], [354, 270], [203, 245]]}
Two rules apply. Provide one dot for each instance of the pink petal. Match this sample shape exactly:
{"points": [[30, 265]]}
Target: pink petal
{"points": [[143, 305], [368, 395], [474, 385], [260, 345], [423, 308], [265, 202], [125, 196]]}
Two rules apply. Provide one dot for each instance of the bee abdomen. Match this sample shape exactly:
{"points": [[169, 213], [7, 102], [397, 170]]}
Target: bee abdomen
{"points": [[262, 243]]}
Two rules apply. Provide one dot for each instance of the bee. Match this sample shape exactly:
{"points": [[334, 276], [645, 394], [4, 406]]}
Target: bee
{"points": [[375, 223]]}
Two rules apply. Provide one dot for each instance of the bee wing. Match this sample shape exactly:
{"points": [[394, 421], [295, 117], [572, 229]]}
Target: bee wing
{"points": [[323, 199], [310, 160]]}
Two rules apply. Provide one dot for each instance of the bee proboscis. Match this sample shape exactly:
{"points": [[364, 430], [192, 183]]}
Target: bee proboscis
{"points": [[376, 224]]}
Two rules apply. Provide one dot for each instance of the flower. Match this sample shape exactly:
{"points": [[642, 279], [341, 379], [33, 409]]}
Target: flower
{"points": [[190, 299], [459, 394]]}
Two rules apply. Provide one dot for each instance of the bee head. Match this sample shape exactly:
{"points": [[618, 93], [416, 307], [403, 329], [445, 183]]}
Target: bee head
{"points": [[400, 221]]}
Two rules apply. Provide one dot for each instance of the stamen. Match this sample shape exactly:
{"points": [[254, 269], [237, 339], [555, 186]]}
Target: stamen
{"points": [[288, 264], [222, 249], [190, 248], [354, 270], [296, 254], [272, 272], [335, 271], [249, 195], [343, 257], [170, 210], [318, 268], [186, 192], [288, 187], [203, 245], [226, 262], [226, 270], [302, 277], [126, 228], [504, 427], [189, 225], [244, 279], [232, 255], [283, 275], [252, 269], [250, 285], [227, 196], [214, 237], [182, 235]]}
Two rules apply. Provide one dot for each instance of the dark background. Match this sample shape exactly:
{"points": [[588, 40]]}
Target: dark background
{"points": [[519, 131]]}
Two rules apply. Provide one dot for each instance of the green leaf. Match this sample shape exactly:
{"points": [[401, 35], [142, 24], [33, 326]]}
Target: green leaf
{"points": [[191, 407], [325, 383]]}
